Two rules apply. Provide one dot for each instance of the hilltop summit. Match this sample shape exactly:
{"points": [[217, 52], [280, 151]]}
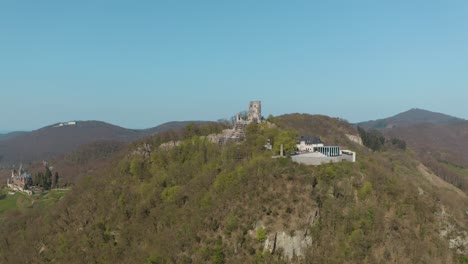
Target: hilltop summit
{"points": [[411, 117]]}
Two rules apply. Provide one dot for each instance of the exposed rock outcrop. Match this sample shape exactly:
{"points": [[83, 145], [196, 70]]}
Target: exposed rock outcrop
{"points": [[458, 239], [292, 244], [355, 139], [169, 145]]}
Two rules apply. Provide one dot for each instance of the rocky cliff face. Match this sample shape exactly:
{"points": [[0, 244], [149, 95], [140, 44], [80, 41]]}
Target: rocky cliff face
{"points": [[289, 245], [293, 244], [355, 139]]}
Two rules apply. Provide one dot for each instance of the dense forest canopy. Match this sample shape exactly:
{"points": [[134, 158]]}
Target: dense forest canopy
{"points": [[197, 202]]}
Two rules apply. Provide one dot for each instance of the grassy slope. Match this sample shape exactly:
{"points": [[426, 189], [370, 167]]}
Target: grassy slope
{"points": [[22, 202], [199, 203], [9, 202]]}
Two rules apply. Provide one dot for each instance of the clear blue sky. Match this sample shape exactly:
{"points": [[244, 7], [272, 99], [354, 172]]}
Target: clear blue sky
{"points": [[141, 63]]}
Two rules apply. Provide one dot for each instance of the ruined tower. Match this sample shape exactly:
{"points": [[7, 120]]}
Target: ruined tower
{"points": [[255, 112]]}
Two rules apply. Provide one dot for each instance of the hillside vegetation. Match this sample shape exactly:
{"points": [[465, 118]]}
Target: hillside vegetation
{"points": [[440, 147], [439, 140], [52, 141], [11, 135], [194, 202]]}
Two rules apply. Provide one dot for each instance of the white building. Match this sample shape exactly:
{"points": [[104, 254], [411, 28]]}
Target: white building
{"points": [[70, 123], [312, 151], [308, 144]]}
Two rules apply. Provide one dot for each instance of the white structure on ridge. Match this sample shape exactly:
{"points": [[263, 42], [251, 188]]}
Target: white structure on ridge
{"points": [[70, 123], [308, 144], [312, 151]]}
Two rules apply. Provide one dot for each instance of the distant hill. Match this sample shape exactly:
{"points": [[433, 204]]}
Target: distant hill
{"points": [[85, 159], [11, 135], [411, 117], [439, 140], [441, 147], [174, 125], [62, 138], [444, 142]]}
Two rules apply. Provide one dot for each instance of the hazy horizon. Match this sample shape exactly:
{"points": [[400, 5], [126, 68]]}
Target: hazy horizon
{"points": [[140, 65], [265, 115]]}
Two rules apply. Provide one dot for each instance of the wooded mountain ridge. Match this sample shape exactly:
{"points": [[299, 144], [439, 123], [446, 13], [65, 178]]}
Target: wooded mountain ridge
{"points": [[54, 140], [439, 140], [197, 202], [411, 117]]}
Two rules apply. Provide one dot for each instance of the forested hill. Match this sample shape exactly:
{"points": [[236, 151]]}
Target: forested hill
{"points": [[194, 202], [411, 117], [439, 140], [58, 139], [11, 135]]}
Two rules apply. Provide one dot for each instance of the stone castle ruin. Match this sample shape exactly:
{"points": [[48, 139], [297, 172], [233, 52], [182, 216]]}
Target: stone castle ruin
{"points": [[254, 115], [237, 133]]}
